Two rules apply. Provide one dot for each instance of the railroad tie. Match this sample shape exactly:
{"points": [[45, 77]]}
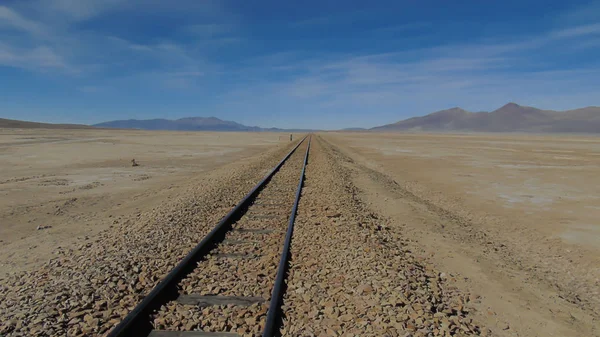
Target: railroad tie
{"points": [[270, 202], [165, 333], [212, 300], [264, 204], [236, 256], [265, 216], [239, 242], [207, 301], [254, 230]]}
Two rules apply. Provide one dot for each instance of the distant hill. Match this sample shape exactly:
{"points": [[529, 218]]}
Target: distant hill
{"points": [[353, 129], [509, 118], [183, 124], [16, 124], [188, 124]]}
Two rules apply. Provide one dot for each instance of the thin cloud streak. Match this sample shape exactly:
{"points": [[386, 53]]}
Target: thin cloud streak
{"points": [[42, 58], [40, 38], [12, 20], [593, 29]]}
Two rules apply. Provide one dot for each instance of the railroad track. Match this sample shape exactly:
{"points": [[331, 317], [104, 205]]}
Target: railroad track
{"points": [[232, 282]]}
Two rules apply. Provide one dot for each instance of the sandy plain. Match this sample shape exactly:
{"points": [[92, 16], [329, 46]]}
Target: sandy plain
{"points": [[515, 218], [512, 219], [59, 186]]}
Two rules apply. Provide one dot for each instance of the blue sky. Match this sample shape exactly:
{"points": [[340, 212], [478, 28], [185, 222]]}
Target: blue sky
{"points": [[309, 64]]}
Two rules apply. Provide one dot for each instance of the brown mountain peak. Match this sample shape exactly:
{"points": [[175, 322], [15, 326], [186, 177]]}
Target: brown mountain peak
{"points": [[453, 111], [516, 109], [510, 105]]}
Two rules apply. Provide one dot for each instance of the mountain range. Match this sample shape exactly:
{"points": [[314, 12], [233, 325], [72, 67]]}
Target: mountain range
{"points": [[509, 118], [183, 124], [188, 124], [16, 124]]}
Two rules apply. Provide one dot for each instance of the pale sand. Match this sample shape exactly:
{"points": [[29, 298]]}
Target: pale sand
{"points": [[515, 218], [74, 180]]}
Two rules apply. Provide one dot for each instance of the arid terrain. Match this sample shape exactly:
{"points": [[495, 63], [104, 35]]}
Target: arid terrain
{"points": [[396, 234], [59, 186], [513, 217]]}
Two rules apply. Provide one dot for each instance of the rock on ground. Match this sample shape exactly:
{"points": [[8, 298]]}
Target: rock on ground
{"points": [[351, 274]]}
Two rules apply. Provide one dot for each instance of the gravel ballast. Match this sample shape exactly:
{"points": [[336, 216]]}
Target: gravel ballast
{"points": [[87, 290], [351, 274], [225, 273]]}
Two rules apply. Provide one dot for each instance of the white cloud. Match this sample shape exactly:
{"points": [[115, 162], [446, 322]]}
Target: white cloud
{"points": [[477, 76], [79, 10], [13, 20], [7, 56], [45, 57], [42, 35], [42, 58], [577, 31], [335, 100]]}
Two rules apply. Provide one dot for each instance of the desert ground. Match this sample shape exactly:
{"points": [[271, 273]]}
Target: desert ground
{"points": [[514, 217], [59, 186], [500, 231]]}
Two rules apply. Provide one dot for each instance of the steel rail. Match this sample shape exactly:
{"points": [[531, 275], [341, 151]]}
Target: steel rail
{"points": [[137, 322], [273, 321]]}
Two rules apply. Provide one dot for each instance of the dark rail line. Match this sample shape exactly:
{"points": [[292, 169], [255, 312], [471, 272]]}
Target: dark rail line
{"points": [[138, 321], [273, 315]]}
